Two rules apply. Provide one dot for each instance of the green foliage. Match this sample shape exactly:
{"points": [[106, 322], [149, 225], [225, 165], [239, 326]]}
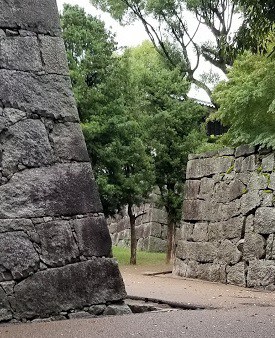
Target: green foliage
{"points": [[247, 101], [172, 122], [144, 258], [108, 104], [90, 51]]}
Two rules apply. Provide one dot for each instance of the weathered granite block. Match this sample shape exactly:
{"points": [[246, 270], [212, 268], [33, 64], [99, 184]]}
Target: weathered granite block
{"points": [[24, 54], [270, 247], [35, 16], [155, 229], [68, 142], [58, 246], [18, 254], [261, 273], [5, 309], [200, 252], [244, 150], [53, 55], [264, 222], [268, 163], [50, 191], [46, 95], [254, 247], [229, 229], [93, 236], [228, 253], [236, 274], [27, 144], [271, 184], [250, 201], [191, 189], [200, 232], [187, 231], [49, 292], [156, 244]]}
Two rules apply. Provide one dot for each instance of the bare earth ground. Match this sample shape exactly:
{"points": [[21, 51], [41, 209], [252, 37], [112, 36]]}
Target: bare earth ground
{"points": [[230, 311]]}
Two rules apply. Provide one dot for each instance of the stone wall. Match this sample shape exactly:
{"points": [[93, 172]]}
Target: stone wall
{"points": [[54, 242], [151, 228], [227, 234]]}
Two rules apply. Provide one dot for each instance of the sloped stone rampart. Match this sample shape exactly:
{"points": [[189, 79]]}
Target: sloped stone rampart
{"points": [[55, 248], [151, 228], [228, 227]]}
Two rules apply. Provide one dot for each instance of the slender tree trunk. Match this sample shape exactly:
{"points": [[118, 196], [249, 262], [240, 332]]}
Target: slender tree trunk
{"points": [[171, 229], [133, 258]]}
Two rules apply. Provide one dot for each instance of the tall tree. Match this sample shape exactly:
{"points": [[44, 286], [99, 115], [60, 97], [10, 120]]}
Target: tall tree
{"points": [[247, 99], [109, 105], [173, 126]]}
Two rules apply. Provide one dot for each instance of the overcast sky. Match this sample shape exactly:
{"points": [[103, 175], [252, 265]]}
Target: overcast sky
{"points": [[135, 34], [125, 36]]}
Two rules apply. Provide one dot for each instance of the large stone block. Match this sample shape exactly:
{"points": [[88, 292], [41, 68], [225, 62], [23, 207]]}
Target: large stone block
{"points": [[46, 95], [26, 143], [264, 222], [200, 232], [268, 163], [261, 273], [191, 189], [58, 246], [53, 55], [244, 150], [227, 192], [270, 247], [5, 310], [49, 292], [63, 189], [250, 201], [17, 254], [68, 142], [208, 166], [254, 246], [236, 274], [93, 236], [24, 54], [230, 229], [156, 244], [200, 252], [228, 253], [37, 16]]}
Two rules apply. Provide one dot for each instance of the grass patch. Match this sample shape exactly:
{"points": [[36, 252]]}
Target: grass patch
{"points": [[143, 258]]}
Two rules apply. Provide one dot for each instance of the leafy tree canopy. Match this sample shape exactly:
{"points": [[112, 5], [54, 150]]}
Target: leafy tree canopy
{"points": [[247, 100]]}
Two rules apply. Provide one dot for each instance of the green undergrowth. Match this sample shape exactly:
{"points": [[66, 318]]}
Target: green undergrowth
{"points": [[143, 258]]}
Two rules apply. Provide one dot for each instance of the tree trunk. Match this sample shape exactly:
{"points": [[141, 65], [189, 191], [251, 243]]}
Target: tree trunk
{"points": [[171, 228], [133, 258]]}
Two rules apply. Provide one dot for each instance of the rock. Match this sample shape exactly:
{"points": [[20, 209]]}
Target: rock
{"points": [[228, 253], [24, 54], [69, 143], [117, 310], [53, 54], [80, 314], [18, 254], [264, 221], [25, 194], [254, 247], [268, 163], [42, 18], [200, 232], [157, 244], [27, 144], [191, 189], [261, 273], [236, 274], [200, 252], [46, 95], [93, 236], [244, 150], [97, 310], [57, 243], [74, 286]]}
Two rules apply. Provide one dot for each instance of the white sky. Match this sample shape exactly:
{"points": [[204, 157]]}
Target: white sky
{"points": [[134, 35]]}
